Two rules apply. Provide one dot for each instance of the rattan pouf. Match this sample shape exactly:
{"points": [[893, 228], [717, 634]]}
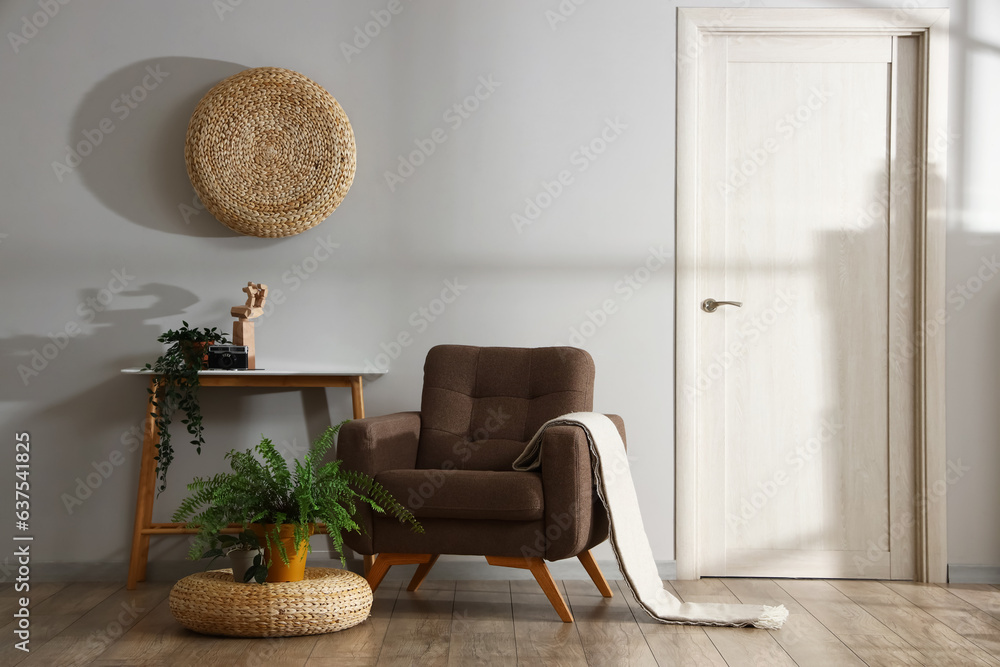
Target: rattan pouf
{"points": [[325, 601]]}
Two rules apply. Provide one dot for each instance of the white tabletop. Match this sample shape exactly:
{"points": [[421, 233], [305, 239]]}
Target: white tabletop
{"points": [[368, 374]]}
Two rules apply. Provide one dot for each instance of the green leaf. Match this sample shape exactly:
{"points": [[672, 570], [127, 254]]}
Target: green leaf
{"points": [[261, 488], [257, 572]]}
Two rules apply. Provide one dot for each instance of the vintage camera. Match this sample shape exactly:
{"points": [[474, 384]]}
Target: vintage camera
{"points": [[228, 357]]}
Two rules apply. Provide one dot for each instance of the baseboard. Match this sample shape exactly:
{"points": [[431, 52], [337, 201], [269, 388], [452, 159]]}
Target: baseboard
{"points": [[454, 567], [973, 574]]}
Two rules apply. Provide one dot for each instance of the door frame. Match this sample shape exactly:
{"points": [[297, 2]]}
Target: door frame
{"points": [[930, 26]]}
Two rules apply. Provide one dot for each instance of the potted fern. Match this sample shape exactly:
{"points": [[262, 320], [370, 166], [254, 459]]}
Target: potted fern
{"points": [[281, 505], [177, 388]]}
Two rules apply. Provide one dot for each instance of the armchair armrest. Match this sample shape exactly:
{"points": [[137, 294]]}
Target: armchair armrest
{"points": [[380, 443], [568, 486], [372, 446]]}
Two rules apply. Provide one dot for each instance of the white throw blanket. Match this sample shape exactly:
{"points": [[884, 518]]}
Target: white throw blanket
{"points": [[628, 537]]}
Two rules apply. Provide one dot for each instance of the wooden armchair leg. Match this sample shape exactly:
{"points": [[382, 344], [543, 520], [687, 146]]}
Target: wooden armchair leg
{"points": [[369, 561], [542, 575], [590, 565], [422, 571], [384, 561]]}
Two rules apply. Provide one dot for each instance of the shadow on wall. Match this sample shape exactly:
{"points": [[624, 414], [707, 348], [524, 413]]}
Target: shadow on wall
{"points": [[102, 322], [128, 142], [68, 381]]}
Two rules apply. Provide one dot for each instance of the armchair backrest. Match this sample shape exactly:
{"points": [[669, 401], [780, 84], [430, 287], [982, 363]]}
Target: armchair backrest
{"points": [[481, 405]]}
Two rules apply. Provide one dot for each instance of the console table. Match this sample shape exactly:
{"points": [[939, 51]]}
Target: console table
{"points": [[144, 527]]}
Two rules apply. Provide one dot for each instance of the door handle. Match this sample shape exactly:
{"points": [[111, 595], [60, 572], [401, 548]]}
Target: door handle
{"points": [[710, 305]]}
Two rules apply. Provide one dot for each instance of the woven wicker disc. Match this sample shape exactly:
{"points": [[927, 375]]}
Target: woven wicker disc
{"points": [[270, 152], [325, 601]]}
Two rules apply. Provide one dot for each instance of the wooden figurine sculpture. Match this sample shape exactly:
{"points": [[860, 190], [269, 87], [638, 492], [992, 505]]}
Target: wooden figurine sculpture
{"points": [[243, 327]]}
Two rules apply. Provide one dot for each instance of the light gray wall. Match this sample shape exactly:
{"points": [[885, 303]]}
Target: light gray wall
{"points": [[974, 294], [558, 85]]}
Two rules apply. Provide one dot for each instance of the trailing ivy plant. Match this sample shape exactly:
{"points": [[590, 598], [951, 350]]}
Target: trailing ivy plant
{"points": [[263, 489], [177, 388]]}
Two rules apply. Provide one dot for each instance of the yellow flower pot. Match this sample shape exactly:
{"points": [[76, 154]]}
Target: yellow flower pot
{"points": [[278, 570]]}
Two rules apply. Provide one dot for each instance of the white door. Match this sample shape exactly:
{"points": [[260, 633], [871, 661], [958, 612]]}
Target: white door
{"points": [[804, 394]]}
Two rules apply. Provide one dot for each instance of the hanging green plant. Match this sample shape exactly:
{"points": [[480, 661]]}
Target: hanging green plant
{"points": [[177, 388]]}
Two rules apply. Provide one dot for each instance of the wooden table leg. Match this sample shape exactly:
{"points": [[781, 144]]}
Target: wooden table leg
{"points": [[145, 496], [357, 397], [142, 528]]}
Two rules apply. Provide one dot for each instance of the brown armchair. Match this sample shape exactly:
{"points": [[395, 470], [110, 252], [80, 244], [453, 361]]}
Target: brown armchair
{"points": [[451, 462]]}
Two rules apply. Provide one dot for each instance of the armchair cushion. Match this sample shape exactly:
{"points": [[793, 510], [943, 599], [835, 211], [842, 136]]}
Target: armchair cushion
{"points": [[490, 454], [467, 494]]}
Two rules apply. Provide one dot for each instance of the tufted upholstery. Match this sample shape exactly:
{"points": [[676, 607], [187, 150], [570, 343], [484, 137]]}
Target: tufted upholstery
{"points": [[481, 405], [451, 464]]}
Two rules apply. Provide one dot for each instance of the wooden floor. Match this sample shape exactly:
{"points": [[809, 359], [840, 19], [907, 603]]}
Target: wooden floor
{"points": [[511, 623]]}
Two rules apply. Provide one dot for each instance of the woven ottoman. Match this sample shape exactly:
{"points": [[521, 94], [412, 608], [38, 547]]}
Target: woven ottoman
{"points": [[326, 600]]}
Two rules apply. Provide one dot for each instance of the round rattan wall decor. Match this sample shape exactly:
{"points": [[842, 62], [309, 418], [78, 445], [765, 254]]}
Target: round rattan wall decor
{"points": [[270, 152]]}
